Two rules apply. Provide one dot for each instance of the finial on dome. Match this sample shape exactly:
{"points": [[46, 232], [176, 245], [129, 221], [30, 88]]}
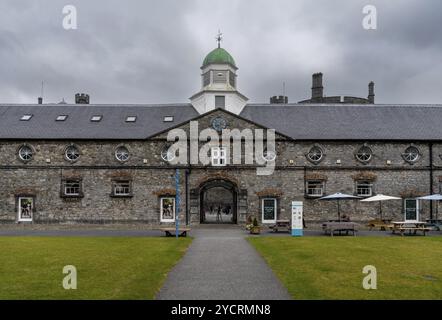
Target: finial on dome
{"points": [[219, 38]]}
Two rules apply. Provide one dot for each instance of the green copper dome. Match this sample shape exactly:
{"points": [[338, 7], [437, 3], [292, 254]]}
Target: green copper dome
{"points": [[219, 55]]}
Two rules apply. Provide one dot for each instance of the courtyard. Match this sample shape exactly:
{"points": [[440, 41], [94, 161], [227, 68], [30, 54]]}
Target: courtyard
{"points": [[216, 262]]}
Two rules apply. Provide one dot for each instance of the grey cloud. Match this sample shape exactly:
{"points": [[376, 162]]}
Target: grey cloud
{"points": [[151, 51]]}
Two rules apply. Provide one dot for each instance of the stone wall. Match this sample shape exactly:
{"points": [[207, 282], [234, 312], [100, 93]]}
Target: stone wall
{"points": [[152, 177]]}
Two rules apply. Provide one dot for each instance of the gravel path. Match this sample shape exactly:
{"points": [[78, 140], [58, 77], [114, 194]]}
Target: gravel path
{"points": [[220, 264]]}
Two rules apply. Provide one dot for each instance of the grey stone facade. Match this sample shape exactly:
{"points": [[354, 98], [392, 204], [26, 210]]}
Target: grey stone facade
{"points": [[152, 178]]}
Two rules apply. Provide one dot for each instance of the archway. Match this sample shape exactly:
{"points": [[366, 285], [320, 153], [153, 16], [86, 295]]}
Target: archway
{"points": [[218, 202]]}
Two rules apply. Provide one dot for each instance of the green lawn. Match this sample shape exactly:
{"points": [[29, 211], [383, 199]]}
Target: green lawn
{"points": [[331, 268], [107, 268]]}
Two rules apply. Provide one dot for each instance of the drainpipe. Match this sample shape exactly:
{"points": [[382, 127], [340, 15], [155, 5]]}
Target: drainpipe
{"points": [[187, 173], [431, 178]]}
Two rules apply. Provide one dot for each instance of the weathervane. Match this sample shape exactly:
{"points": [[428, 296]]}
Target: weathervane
{"points": [[219, 38]]}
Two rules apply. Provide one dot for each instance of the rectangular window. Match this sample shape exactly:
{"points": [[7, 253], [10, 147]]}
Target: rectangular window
{"points": [[364, 188], [411, 208], [314, 188], [220, 102], [219, 156], [25, 208], [167, 208], [206, 79], [269, 210], [168, 119], [121, 188], [71, 188]]}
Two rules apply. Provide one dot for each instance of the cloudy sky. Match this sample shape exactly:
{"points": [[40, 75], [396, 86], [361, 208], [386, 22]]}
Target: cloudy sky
{"points": [[140, 51]]}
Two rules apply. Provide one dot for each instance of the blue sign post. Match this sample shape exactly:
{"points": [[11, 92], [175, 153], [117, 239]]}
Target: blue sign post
{"points": [[177, 201]]}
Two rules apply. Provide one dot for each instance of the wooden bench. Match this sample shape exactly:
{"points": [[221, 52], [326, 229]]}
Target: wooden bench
{"points": [[332, 227], [281, 225], [383, 225], [171, 232], [403, 229]]}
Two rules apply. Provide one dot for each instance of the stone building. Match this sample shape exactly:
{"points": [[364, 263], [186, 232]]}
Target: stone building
{"points": [[100, 163]]}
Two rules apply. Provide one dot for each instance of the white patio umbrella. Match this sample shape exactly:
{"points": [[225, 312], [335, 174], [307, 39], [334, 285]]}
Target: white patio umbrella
{"points": [[380, 198], [339, 196], [436, 197]]}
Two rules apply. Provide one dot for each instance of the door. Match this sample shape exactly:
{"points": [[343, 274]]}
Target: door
{"points": [[25, 208], [411, 207]]}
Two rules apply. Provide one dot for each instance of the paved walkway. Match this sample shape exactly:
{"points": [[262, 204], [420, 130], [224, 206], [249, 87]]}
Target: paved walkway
{"points": [[220, 264]]}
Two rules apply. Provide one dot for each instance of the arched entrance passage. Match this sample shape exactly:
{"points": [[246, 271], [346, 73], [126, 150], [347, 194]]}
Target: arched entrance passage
{"points": [[218, 202]]}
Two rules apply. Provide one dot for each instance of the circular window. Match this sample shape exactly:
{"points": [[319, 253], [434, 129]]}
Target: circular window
{"points": [[315, 154], [167, 155], [122, 154], [25, 153], [269, 155], [364, 154], [411, 154], [72, 153]]}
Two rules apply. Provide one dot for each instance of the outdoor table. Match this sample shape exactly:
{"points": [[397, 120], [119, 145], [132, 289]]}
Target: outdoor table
{"points": [[436, 223], [347, 226], [281, 225], [403, 226]]}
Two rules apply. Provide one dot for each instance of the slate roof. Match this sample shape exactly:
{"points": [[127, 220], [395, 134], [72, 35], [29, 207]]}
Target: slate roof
{"points": [[78, 125], [350, 122], [299, 121]]}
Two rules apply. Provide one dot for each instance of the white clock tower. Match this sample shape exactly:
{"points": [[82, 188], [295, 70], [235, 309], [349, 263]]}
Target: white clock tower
{"points": [[218, 83]]}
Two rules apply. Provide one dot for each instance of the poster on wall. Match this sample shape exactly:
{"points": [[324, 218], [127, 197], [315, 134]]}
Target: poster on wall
{"points": [[297, 225]]}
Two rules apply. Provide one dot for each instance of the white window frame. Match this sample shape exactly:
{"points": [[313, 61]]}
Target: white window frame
{"points": [[218, 156], [417, 209], [262, 210], [19, 218], [117, 184], [364, 183], [161, 210], [316, 182], [70, 182]]}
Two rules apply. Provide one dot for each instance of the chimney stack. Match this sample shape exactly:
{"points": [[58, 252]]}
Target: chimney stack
{"points": [[81, 98], [40, 100], [371, 92], [279, 100], [317, 88]]}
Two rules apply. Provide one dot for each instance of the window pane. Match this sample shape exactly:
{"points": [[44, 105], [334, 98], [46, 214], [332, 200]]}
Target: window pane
{"points": [[220, 101], [315, 188], [122, 188], [268, 210], [72, 187], [168, 209]]}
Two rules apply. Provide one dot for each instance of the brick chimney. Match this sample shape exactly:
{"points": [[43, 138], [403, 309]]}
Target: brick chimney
{"points": [[371, 92], [317, 88], [81, 98], [279, 100]]}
